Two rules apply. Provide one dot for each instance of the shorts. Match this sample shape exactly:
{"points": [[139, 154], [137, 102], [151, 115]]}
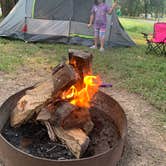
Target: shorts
{"points": [[99, 32]]}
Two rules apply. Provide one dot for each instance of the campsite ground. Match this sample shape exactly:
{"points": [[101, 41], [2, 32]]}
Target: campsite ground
{"points": [[138, 85]]}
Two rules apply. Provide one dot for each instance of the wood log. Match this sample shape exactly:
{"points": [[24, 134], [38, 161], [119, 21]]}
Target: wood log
{"points": [[82, 63], [88, 127], [63, 77], [75, 139], [31, 103], [44, 115], [76, 119], [58, 115], [50, 130], [47, 112], [63, 111], [67, 116]]}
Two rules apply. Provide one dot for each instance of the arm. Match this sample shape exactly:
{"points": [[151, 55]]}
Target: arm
{"points": [[113, 7], [91, 20]]}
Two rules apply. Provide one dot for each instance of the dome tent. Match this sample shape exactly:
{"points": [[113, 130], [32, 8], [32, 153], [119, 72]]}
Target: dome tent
{"points": [[63, 21]]}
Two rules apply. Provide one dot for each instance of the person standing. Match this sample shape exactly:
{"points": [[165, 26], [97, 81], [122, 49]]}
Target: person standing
{"points": [[98, 18]]}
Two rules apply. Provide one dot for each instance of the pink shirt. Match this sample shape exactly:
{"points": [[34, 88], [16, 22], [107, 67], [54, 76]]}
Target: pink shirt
{"points": [[100, 12]]}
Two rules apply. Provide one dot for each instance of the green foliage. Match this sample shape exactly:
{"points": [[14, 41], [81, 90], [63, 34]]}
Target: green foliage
{"points": [[137, 7]]}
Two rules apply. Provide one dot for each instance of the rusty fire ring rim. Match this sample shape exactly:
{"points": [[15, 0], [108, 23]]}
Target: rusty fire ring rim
{"points": [[121, 139]]}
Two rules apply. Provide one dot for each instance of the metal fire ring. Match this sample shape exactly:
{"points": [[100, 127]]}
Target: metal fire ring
{"points": [[11, 156]]}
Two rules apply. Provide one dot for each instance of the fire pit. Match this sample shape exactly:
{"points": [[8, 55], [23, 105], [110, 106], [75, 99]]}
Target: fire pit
{"points": [[93, 136]]}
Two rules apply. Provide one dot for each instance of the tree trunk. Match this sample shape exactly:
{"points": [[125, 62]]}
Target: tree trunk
{"points": [[146, 9], [6, 6]]}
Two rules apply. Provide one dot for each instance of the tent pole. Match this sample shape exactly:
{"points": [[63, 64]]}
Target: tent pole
{"points": [[70, 22], [25, 23], [69, 29]]}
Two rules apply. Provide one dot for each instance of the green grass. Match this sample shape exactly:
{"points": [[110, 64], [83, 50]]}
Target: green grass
{"points": [[128, 68], [134, 27], [137, 26]]}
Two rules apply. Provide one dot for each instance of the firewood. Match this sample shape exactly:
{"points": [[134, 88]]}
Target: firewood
{"points": [[31, 103], [44, 115], [67, 116], [63, 111], [50, 130], [63, 77], [88, 127], [75, 139], [82, 63], [58, 115], [47, 112], [77, 118]]}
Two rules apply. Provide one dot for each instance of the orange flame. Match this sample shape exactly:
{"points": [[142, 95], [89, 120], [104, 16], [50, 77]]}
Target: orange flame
{"points": [[83, 97]]}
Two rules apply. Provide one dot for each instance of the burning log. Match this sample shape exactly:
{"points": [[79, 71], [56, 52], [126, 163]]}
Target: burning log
{"points": [[78, 118], [32, 102], [63, 111], [63, 77], [82, 63], [67, 116]]}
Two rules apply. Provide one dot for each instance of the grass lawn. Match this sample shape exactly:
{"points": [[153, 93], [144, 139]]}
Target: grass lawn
{"points": [[127, 68]]}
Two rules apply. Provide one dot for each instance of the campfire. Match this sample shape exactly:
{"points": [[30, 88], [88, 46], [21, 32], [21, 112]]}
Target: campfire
{"points": [[62, 103], [61, 118]]}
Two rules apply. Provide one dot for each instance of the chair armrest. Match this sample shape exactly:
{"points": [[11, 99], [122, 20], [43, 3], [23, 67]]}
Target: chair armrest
{"points": [[145, 34]]}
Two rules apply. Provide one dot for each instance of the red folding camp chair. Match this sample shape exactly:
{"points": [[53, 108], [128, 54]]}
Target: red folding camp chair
{"points": [[157, 41]]}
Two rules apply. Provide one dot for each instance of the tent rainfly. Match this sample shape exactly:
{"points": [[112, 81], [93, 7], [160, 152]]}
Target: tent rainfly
{"points": [[62, 21]]}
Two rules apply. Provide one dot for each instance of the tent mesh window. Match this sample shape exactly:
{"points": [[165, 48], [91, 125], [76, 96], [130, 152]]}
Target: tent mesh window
{"points": [[82, 10], [53, 9]]}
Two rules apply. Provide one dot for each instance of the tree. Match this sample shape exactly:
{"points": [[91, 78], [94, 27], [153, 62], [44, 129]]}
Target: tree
{"points": [[131, 7], [158, 7], [137, 7], [6, 6], [146, 8]]}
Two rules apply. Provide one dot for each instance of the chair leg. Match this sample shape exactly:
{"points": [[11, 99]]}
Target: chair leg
{"points": [[157, 48], [164, 49], [149, 48]]}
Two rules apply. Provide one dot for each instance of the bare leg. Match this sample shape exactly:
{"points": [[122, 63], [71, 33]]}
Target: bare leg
{"points": [[102, 41], [96, 39]]}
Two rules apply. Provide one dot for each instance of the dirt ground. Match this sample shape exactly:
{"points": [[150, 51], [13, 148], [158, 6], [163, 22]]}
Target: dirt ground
{"points": [[146, 144]]}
